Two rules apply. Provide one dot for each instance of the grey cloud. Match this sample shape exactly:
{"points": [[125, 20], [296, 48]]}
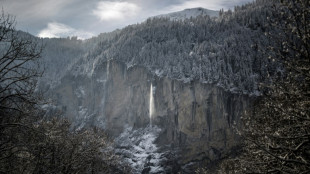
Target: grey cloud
{"points": [[35, 15]]}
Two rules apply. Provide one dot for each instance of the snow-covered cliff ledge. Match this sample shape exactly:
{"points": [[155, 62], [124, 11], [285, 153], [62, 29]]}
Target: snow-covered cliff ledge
{"points": [[193, 116]]}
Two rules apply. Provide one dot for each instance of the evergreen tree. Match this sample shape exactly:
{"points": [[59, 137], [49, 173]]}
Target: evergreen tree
{"points": [[276, 131]]}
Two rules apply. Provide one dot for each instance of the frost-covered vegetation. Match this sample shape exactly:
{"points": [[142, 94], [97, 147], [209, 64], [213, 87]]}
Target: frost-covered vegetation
{"points": [[263, 41], [276, 130], [29, 141], [222, 51]]}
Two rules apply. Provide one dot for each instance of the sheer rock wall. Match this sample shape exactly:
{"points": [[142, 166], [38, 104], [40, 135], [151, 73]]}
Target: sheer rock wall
{"points": [[196, 118]]}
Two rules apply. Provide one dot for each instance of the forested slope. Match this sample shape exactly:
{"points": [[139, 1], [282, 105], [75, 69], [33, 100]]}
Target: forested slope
{"points": [[224, 51]]}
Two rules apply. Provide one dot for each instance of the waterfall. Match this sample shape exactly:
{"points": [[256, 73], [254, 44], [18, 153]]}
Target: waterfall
{"points": [[151, 108], [108, 66]]}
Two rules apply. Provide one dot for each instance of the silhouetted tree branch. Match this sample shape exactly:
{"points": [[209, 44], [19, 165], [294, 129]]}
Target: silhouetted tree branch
{"points": [[29, 143], [19, 66]]}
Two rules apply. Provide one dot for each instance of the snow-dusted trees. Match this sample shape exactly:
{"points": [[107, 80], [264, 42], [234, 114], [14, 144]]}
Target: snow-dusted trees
{"points": [[223, 51], [277, 130], [29, 143], [58, 55], [56, 149]]}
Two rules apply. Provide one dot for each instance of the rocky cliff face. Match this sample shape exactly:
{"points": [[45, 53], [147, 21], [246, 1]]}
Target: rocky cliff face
{"points": [[195, 118]]}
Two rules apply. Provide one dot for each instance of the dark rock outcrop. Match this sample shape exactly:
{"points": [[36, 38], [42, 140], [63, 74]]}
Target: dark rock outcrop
{"points": [[194, 117]]}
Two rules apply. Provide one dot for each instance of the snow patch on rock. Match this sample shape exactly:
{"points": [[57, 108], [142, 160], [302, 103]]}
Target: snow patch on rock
{"points": [[138, 149]]}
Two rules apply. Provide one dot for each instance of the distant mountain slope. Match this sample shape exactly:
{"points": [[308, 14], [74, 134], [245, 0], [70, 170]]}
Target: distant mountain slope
{"points": [[224, 52], [188, 13], [199, 67]]}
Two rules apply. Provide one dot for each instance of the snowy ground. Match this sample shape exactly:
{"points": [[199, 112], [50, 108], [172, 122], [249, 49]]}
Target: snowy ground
{"points": [[139, 151]]}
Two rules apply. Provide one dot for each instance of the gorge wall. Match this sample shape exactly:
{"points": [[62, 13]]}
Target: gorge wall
{"points": [[195, 118]]}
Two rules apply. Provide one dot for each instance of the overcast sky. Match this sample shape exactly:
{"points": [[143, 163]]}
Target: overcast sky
{"points": [[87, 18]]}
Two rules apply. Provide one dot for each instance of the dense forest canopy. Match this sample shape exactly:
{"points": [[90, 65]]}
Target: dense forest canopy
{"points": [[260, 49], [224, 51]]}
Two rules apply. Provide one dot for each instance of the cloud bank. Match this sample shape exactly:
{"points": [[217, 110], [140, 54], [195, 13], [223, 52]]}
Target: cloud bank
{"points": [[58, 30], [62, 18]]}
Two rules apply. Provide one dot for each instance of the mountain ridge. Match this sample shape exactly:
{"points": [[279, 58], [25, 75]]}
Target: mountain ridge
{"points": [[188, 13], [205, 71]]}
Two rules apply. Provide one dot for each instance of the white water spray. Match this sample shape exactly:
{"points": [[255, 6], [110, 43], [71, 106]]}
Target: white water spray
{"points": [[152, 107]]}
